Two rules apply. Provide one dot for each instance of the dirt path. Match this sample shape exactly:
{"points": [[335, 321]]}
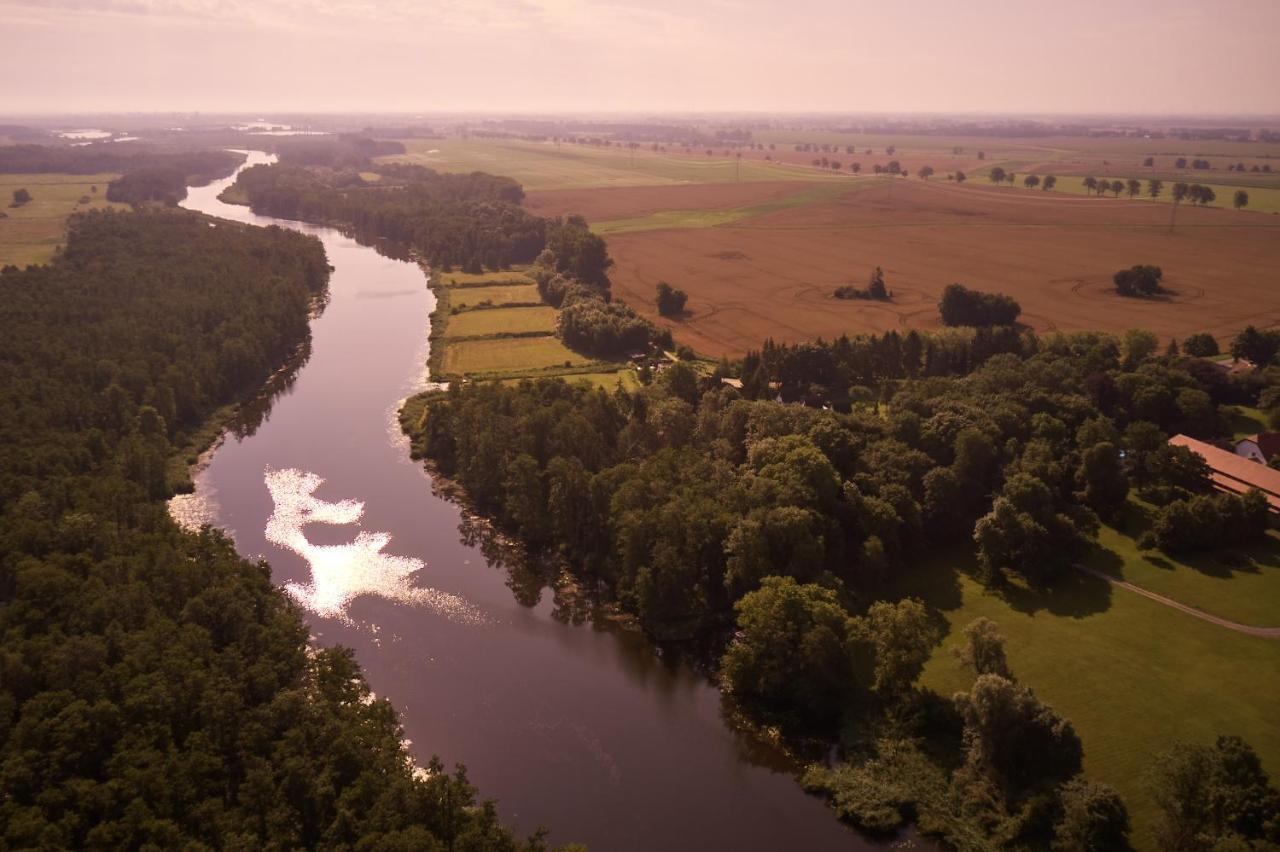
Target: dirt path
{"points": [[1263, 632]]}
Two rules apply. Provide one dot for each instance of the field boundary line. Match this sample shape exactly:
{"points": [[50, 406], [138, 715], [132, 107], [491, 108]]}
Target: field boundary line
{"points": [[1262, 632]]}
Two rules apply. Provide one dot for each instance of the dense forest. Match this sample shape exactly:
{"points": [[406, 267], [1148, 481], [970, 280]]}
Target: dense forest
{"points": [[470, 221], [772, 537], [197, 167], [156, 690]]}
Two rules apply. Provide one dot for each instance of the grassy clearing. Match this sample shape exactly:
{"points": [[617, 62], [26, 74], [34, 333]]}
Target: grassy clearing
{"points": [[544, 165], [1245, 421], [479, 279], [607, 380], [31, 233], [498, 294], [666, 219], [1242, 585], [509, 357], [502, 321], [1132, 675]]}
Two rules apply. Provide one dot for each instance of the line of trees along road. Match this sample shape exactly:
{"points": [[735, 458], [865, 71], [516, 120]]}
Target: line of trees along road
{"points": [[156, 690], [767, 536]]}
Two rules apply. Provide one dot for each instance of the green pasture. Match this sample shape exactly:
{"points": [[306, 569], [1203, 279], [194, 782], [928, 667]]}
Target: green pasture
{"points": [[545, 165], [502, 321], [1131, 674], [497, 294], [508, 356], [31, 233], [668, 219]]}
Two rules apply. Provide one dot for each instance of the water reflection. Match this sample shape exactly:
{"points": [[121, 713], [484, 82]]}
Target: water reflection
{"points": [[341, 573]]}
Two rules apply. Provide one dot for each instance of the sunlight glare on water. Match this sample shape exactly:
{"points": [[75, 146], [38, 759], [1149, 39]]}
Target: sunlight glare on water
{"points": [[342, 572]]}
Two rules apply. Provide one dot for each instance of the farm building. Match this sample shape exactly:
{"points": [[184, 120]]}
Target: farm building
{"points": [[1261, 448], [1233, 473]]}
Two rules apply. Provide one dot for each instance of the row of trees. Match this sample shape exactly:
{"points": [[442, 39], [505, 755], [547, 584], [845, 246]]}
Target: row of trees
{"points": [[199, 167], [158, 691]]}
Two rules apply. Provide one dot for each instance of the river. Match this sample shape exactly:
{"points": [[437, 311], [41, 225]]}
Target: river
{"points": [[580, 729]]}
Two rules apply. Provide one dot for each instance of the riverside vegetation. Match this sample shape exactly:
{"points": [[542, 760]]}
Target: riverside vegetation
{"points": [[156, 690], [772, 537]]}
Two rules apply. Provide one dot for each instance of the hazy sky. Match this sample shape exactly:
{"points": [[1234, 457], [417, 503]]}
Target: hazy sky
{"points": [[1185, 56]]}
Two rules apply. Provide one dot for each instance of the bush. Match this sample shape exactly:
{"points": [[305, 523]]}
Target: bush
{"points": [[1139, 280], [962, 306], [1201, 345], [670, 301]]}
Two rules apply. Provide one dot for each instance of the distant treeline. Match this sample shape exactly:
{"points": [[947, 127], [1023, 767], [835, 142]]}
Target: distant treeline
{"points": [[470, 221], [156, 690], [196, 167], [345, 150]]}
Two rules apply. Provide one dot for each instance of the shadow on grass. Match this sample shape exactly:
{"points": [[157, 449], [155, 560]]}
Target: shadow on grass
{"points": [[1073, 595], [1136, 519]]}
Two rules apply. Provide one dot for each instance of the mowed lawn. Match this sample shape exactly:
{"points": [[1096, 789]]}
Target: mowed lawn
{"points": [[1131, 674], [507, 356], [545, 165], [472, 279], [1243, 585], [31, 233], [495, 321], [498, 294]]}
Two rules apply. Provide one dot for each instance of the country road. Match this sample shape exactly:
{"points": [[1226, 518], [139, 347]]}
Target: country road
{"points": [[1263, 632]]}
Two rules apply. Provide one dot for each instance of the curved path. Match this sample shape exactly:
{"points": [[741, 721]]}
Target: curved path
{"points": [[1263, 632]]}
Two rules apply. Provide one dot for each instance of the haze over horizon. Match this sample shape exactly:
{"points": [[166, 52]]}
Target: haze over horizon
{"points": [[989, 56]]}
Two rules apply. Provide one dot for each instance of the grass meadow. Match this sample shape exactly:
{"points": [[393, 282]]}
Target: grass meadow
{"points": [[544, 165], [31, 233], [490, 322], [497, 294], [667, 219], [1131, 674], [507, 357]]}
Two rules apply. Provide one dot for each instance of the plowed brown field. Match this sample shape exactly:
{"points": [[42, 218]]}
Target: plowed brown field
{"points": [[773, 275]]}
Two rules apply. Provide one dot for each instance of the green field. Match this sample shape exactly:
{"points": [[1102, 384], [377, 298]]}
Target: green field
{"points": [[1261, 199], [607, 380], [544, 165], [480, 279], [1131, 674], [497, 321], [1242, 586], [509, 356], [667, 219], [498, 294], [31, 233]]}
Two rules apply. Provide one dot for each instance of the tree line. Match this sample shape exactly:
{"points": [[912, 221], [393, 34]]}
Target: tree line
{"points": [[468, 221], [156, 690], [198, 167]]}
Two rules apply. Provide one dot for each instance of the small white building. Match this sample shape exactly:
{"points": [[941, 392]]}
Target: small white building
{"points": [[1261, 448]]}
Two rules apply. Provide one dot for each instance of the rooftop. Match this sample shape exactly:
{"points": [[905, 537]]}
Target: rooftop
{"points": [[1234, 473]]}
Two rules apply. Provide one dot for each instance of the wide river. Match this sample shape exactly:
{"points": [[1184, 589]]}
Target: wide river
{"points": [[579, 729]]}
